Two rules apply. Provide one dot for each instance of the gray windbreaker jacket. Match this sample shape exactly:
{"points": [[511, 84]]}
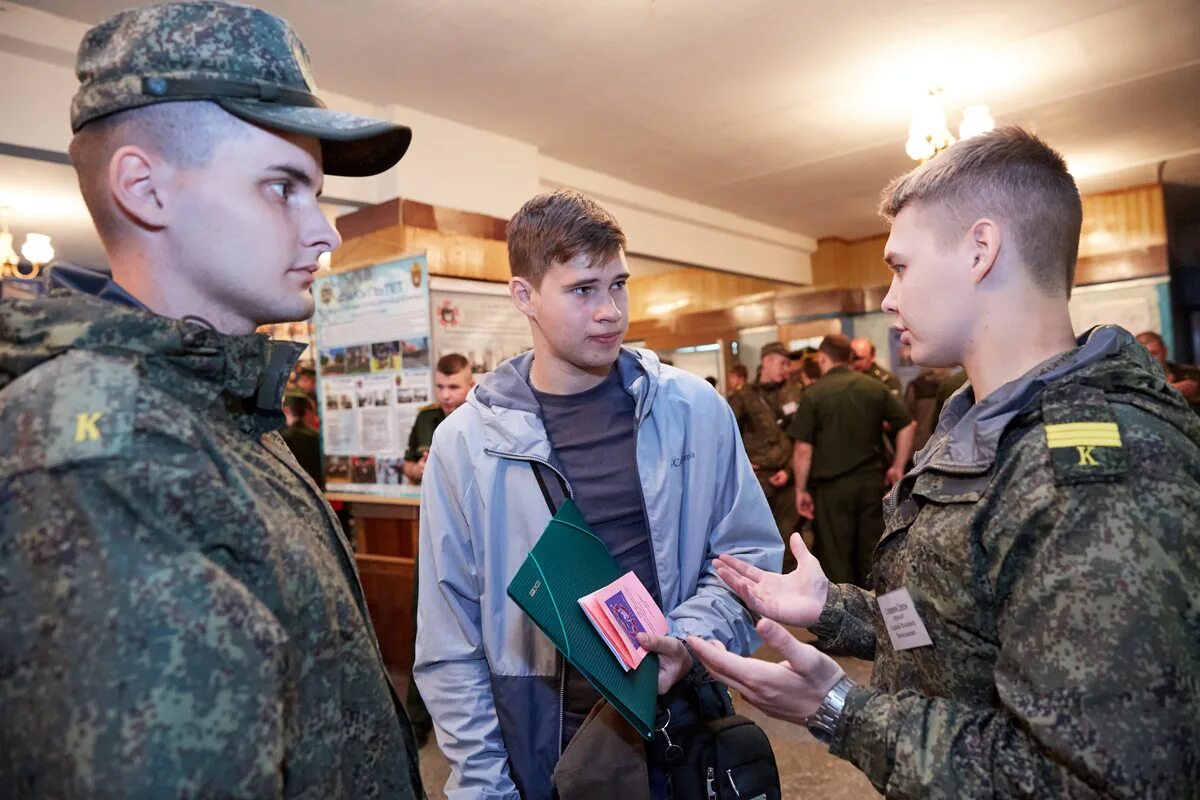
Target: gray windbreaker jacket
{"points": [[491, 679]]}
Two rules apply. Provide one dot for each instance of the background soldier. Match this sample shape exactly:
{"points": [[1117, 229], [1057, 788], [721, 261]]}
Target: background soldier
{"points": [[452, 380], [758, 409], [864, 361], [181, 610], [837, 460], [1184, 378], [302, 435], [735, 379]]}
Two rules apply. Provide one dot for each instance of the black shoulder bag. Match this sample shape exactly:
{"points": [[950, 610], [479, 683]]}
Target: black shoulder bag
{"points": [[707, 751]]}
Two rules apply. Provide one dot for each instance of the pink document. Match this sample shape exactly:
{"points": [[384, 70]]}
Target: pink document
{"points": [[619, 612]]}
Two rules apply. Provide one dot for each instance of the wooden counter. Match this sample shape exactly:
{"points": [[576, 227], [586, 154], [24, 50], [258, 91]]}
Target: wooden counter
{"points": [[387, 551]]}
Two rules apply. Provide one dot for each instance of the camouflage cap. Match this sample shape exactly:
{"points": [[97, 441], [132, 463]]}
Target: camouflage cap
{"points": [[245, 60], [773, 349]]}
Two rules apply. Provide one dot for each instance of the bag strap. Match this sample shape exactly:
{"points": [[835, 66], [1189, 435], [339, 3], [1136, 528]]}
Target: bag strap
{"points": [[539, 470]]}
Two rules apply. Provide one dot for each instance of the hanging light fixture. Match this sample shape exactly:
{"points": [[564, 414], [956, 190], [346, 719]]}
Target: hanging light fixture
{"points": [[928, 134], [8, 256], [37, 251], [976, 120]]}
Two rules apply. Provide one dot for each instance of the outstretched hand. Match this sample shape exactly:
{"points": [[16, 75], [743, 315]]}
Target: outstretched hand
{"points": [[796, 598], [790, 690]]}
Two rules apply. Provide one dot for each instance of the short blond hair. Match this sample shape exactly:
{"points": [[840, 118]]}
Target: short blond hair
{"points": [[1012, 176]]}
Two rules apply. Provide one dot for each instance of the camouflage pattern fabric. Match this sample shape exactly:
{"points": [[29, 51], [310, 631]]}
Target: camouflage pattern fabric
{"points": [[181, 612], [249, 62], [1059, 585]]}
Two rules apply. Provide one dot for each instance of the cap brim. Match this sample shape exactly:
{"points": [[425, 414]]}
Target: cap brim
{"points": [[350, 145]]}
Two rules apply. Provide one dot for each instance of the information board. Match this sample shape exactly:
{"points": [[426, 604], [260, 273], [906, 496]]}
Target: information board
{"points": [[373, 359]]}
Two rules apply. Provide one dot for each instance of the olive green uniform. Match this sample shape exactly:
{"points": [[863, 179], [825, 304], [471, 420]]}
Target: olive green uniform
{"points": [[1048, 538], [789, 400], [421, 436], [842, 416], [884, 376], [758, 409], [949, 385]]}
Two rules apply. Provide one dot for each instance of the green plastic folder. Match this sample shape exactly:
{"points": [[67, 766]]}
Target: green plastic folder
{"points": [[568, 562]]}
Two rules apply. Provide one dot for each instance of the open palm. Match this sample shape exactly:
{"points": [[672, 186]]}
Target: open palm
{"points": [[793, 599]]}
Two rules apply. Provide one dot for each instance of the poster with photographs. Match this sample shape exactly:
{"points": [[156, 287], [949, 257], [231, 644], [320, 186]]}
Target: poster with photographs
{"points": [[478, 320], [372, 342]]}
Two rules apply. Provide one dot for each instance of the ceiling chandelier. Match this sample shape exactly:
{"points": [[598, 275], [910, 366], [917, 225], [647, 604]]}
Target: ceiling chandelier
{"points": [[928, 134], [37, 250]]}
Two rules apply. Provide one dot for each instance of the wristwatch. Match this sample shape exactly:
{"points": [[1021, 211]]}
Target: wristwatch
{"points": [[823, 724]]}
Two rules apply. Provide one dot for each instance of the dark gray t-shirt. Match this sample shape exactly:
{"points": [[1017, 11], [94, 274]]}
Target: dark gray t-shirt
{"points": [[594, 440]]}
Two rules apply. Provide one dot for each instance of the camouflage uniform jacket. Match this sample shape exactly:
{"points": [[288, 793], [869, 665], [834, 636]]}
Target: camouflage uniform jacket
{"points": [[757, 407], [1049, 539], [182, 615]]}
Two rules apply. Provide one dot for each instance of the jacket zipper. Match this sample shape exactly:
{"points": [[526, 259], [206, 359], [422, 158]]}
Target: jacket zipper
{"points": [[562, 663], [637, 428], [533, 460], [562, 701]]}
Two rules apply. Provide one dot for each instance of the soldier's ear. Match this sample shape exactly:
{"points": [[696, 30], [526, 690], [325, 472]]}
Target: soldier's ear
{"points": [[985, 248], [137, 181]]}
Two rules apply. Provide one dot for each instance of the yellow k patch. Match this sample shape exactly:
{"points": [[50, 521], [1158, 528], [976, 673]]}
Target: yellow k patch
{"points": [[1083, 434], [85, 427], [1083, 438]]}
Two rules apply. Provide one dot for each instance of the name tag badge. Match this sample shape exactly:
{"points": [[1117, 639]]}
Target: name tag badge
{"points": [[790, 408], [904, 625]]}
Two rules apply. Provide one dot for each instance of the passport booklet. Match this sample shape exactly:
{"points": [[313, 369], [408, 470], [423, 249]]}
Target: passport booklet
{"points": [[619, 612]]}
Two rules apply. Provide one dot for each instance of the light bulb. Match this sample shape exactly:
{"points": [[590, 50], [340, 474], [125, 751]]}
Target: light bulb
{"points": [[37, 248], [918, 148], [976, 120], [7, 254]]}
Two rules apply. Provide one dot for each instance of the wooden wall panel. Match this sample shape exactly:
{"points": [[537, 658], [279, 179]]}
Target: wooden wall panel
{"points": [[689, 290], [806, 330], [1127, 220], [1121, 231], [450, 254], [842, 264]]}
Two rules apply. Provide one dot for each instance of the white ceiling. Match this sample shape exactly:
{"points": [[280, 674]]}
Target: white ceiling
{"points": [[791, 112]]}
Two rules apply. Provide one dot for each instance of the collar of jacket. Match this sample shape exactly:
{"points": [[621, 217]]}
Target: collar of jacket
{"points": [[512, 416], [188, 359], [968, 433]]}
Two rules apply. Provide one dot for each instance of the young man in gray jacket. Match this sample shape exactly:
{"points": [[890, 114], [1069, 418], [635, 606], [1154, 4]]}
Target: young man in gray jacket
{"points": [[649, 453]]}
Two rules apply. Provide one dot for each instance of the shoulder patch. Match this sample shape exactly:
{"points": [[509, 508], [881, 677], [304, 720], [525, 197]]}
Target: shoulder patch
{"points": [[77, 407], [1083, 436]]}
